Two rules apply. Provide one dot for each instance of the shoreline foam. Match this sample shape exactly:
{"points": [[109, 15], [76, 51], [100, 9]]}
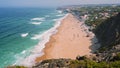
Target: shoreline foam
{"points": [[38, 49], [60, 47]]}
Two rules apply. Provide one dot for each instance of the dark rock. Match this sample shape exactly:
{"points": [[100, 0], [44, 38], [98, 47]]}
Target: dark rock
{"points": [[53, 63], [87, 35], [80, 57]]}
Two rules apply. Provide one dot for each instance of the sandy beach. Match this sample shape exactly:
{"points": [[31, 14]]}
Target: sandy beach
{"points": [[70, 41]]}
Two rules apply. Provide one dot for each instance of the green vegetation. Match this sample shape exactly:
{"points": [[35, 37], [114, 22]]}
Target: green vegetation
{"points": [[115, 64], [93, 64], [85, 63], [96, 14]]}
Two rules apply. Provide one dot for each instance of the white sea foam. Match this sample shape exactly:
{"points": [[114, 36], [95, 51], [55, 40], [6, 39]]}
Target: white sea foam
{"points": [[60, 11], [37, 50], [55, 19], [36, 23], [24, 34], [35, 37], [60, 15], [38, 19], [23, 52]]}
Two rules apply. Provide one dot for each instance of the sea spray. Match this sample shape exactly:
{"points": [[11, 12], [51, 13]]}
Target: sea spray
{"points": [[37, 51]]}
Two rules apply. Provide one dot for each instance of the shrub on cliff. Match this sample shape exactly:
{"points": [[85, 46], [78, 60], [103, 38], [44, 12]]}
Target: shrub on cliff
{"points": [[115, 64], [117, 57], [88, 64]]}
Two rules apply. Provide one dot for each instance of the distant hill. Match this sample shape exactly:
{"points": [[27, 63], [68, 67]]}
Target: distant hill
{"points": [[88, 5]]}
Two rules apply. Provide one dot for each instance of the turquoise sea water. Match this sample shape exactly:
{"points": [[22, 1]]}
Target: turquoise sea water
{"points": [[21, 30]]}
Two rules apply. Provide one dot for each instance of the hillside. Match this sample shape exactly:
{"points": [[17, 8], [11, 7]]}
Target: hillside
{"points": [[108, 32]]}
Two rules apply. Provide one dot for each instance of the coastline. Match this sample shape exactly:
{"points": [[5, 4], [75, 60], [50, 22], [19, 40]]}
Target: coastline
{"points": [[37, 51], [69, 42]]}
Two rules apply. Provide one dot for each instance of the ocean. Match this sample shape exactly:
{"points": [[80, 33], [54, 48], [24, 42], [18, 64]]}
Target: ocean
{"points": [[24, 32]]}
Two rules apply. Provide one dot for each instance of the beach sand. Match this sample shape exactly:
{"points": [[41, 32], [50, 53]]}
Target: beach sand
{"points": [[70, 41]]}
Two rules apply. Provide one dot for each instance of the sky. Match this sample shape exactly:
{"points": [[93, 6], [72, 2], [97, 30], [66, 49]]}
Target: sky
{"points": [[51, 3]]}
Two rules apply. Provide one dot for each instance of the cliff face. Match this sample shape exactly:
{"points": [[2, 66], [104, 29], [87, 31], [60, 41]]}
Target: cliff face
{"points": [[108, 32]]}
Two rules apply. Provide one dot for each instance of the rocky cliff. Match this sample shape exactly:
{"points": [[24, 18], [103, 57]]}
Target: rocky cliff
{"points": [[108, 32]]}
